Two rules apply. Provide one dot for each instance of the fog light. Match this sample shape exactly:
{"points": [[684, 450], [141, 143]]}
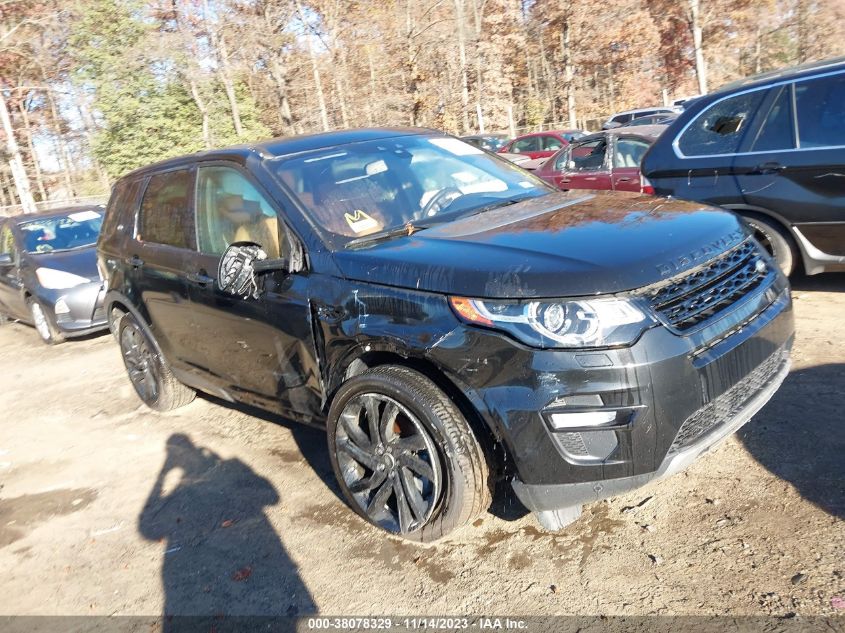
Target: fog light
{"points": [[582, 419], [61, 306]]}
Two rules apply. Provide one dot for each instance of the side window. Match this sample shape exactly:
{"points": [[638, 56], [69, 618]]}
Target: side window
{"points": [[561, 160], [821, 121], [629, 152], [125, 193], [622, 118], [166, 215], [530, 144], [777, 129], [721, 127], [589, 156], [551, 143], [230, 209]]}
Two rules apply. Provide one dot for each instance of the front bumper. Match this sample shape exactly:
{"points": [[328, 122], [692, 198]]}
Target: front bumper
{"points": [[85, 311], [675, 397]]}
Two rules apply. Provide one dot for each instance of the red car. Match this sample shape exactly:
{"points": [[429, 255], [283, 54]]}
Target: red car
{"points": [[607, 160], [541, 144]]}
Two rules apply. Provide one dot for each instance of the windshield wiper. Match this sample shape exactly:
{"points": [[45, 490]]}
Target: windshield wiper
{"points": [[382, 236]]}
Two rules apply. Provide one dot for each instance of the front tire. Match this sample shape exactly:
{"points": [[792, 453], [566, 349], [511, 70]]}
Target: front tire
{"points": [[48, 332], [153, 381], [775, 240], [405, 457]]}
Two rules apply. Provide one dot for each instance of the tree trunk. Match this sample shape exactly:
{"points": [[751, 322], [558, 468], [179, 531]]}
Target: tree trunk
{"points": [[229, 86], [19, 176], [39, 181], [278, 71], [695, 29], [64, 158], [341, 96], [203, 108], [318, 85], [371, 109], [462, 57], [88, 127], [568, 74]]}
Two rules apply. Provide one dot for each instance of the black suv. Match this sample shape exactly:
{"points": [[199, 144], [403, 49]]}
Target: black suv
{"points": [[771, 148], [446, 316]]}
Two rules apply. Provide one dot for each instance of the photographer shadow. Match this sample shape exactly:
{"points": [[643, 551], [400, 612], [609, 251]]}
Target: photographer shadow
{"points": [[221, 554]]}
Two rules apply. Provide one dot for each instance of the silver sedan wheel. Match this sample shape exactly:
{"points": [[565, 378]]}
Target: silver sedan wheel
{"points": [[39, 319]]}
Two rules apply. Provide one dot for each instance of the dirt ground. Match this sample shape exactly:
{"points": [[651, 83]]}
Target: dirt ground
{"points": [[109, 508]]}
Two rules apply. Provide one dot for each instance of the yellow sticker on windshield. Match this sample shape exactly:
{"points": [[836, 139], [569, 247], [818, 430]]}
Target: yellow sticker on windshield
{"points": [[360, 222]]}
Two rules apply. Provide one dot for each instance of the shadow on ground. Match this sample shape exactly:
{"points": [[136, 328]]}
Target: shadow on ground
{"points": [[826, 282], [311, 442], [800, 437], [221, 555]]}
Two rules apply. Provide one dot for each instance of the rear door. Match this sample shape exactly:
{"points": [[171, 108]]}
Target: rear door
{"points": [[156, 259], [261, 349], [794, 166], [628, 152], [707, 148], [588, 166]]}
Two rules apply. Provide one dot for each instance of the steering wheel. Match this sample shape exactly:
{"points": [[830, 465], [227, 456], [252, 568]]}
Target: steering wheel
{"points": [[439, 201]]}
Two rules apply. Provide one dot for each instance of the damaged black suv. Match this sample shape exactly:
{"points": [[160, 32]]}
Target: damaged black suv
{"points": [[448, 318]]}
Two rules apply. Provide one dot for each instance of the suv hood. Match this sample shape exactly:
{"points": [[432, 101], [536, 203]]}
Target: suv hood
{"points": [[558, 245], [79, 261]]}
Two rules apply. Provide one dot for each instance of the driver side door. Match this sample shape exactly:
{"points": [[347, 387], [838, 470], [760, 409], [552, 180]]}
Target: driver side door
{"points": [[588, 166], [261, 351]]}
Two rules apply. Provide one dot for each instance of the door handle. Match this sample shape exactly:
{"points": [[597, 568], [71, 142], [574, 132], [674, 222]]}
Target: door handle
{"points": [[623, 179], [199, 278], [135, 261], [772, 167]]}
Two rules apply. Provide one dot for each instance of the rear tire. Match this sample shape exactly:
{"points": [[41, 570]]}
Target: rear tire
{"points": [[153, 381], [47, 332], [419, 472], [775, 240]]}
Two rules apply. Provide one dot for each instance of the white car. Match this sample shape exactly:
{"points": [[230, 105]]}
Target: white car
{"points": [[621, 118]]}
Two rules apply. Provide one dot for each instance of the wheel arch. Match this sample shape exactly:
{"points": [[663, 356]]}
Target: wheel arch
{"points": [[469, 404], [779, 221]]}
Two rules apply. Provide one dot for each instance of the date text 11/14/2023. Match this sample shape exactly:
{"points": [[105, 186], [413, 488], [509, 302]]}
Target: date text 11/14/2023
{"points": [[416, 623]]}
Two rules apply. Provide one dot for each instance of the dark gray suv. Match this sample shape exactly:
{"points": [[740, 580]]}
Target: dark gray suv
{"points": [[772, 149]]}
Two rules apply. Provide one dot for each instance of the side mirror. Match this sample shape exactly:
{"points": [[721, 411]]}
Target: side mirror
{"points": [[6, 259], [240, 266]]}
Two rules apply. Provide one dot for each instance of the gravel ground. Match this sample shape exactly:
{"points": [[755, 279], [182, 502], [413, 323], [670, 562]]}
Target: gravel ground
{"points": [[245, 517]]}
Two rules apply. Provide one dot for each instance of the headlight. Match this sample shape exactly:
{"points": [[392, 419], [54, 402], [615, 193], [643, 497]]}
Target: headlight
{"points": [[53, 279], [565, 323]]}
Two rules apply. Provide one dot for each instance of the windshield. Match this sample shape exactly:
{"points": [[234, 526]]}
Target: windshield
{"points": [[62, 232], [374, 187]]}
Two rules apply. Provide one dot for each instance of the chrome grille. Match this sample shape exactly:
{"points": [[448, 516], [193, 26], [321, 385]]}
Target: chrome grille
{"points": [[725, 407], [688, 300]]}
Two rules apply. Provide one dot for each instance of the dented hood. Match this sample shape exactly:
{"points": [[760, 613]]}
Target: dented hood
{"points": [[561, 244]]}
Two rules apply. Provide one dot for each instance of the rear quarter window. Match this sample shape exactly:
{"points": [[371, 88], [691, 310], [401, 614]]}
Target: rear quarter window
{"points": [[821, 111], [166, 214], [721, 128], [120, 209]]}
